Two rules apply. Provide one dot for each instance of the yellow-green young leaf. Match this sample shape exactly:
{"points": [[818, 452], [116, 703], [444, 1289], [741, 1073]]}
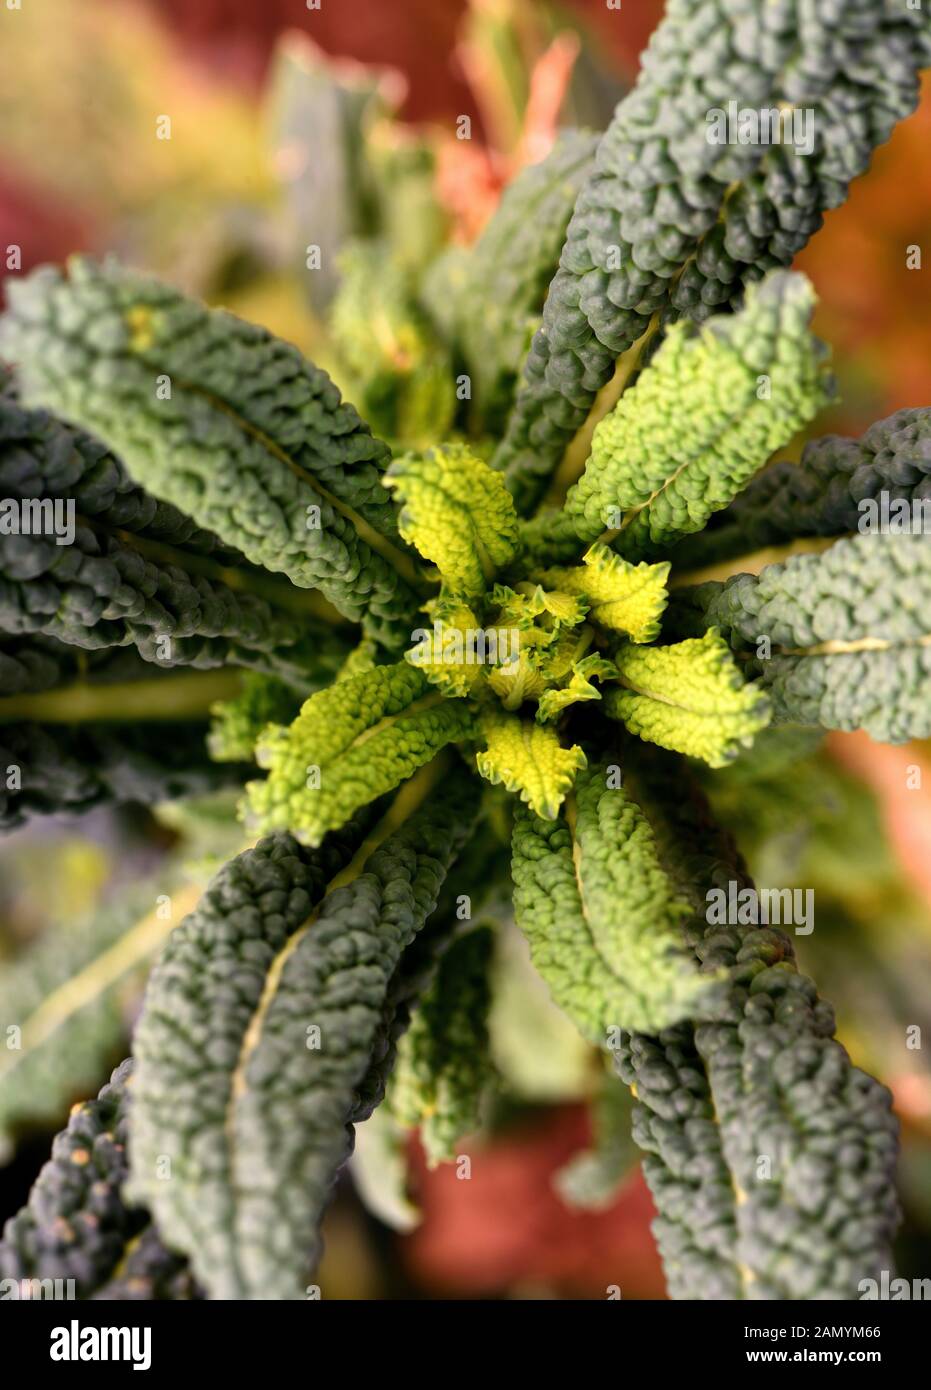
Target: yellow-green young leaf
{"points": [[688, 697], [605, 923], [559, 659], [522, 605], [350, 744], [529, 760], [518, 607], [624, 597], [452, 651], [518, 681], [458, 513], [708, 411], [553, 702]]}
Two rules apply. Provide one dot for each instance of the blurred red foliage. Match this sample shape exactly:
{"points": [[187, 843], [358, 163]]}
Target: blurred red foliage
{"points": [[417, 36], [506, 1229], [54, 231]]}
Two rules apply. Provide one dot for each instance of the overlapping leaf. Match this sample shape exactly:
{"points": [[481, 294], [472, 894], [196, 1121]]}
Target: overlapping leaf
{"points": [[604, 924], [350, 744], [220, 418], [261, 1024], [689, 697]]}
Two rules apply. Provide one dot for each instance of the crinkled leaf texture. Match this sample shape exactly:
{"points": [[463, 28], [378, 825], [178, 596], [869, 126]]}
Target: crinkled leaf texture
{"points": [[458, 513], [689, 697], [528, 759], [499, 289], [620, 596], [136, 571], [603, 920], [76, 1225], [443, 1064], [671, 223], [770, 1157], [223, 420], [837, 488], [261, 1024], [701, 419], [848, 632], [351, 743]]}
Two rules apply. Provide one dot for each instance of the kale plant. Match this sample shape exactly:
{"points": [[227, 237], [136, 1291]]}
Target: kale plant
{"points": [[519, 594]]}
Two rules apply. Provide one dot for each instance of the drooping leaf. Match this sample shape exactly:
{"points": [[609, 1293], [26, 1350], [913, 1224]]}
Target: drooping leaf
{"points": [[255, 1119], [66, 999], [443, 1062], [590, 1181], [380, 1172], [76, 1226], [738, 1115], [321, 116]]}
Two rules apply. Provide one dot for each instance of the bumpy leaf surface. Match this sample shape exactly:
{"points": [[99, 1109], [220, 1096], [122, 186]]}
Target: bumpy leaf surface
{"points": [[458, 513], [351, 743], [76, 1224], [135, 570], [769, 1156], [620, 596], [602, 919], [689, 697], [505, 277], [701, 419], [527, 759], [225, 421], [258, 1032], [840, 486], [443, 1062], [671, 223], [850, 645]]}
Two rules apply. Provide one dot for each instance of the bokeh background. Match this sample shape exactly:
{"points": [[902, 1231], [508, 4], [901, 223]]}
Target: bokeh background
{"points": [[224, 209]]}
